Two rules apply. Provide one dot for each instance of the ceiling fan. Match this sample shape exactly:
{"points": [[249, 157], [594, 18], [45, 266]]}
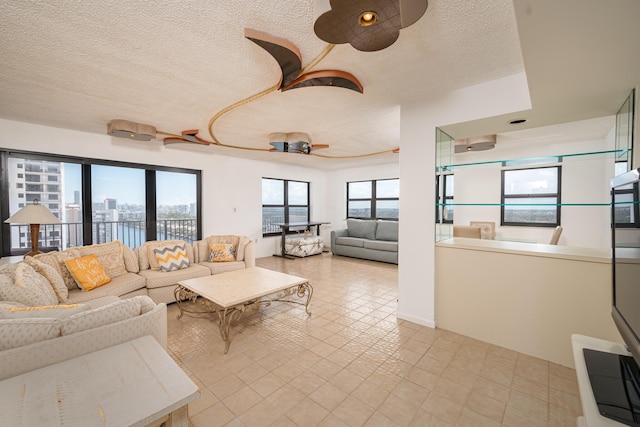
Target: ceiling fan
{"points": [[293, 142]]}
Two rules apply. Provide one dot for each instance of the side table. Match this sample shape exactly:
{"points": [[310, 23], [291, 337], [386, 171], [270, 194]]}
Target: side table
{"points": [[131, 384]]}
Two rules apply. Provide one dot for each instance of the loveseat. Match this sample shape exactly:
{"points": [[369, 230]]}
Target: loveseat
{"points": [[375, 240]]}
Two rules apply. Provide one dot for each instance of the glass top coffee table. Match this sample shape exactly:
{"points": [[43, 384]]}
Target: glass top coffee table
{"points": [[231, 294]]}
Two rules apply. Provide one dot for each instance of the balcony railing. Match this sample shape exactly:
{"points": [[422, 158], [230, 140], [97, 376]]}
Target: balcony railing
{"points": [[70, 234]]}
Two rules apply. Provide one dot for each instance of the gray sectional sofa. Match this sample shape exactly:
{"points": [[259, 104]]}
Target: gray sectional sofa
{"points": [[376, 240]]}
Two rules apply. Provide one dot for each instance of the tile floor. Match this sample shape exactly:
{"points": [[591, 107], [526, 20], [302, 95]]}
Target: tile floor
{"points": [[352, 363]]}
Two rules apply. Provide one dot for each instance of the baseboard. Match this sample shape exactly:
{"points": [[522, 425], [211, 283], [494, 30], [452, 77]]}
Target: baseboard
{"points": [[419, 320]]}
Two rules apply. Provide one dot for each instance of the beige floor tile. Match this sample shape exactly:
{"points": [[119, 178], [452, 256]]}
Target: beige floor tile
{"points": [[206, 399], [379, 420], [473, 419], [353, 412], [227, 386], [242, 400], [307, 413], [485, 405], [267, 384], [370, 394], [354, 363], [442, 408], [216, 415], [329, 396], [347, 381]]}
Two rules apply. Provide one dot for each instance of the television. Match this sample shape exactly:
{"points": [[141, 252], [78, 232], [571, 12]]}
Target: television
{"points": [[615, 379]]}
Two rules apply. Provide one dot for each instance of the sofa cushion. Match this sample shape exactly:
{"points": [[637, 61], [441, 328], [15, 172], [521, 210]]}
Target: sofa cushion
{"points": [[381, 245], [363, 228], [387, 230], [47, 311], [20, 332], [55, 280], [57, 259], [130, 259], [350, 241], [159, 279], [109, 255], [118, 286], [9, 270], [30, 287], [172, 258], [110, 313], [223, 267], [88, 272]]}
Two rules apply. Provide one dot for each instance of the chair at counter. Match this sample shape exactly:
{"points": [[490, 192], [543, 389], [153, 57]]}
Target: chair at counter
{"points": [[555, 236], [474, 232], [487, 228]]}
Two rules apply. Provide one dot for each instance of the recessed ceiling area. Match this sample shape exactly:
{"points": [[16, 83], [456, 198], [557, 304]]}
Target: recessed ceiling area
{"points": [[79, 65]]}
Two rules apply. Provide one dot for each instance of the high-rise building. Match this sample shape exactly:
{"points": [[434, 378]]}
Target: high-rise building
{"points": [[40, 180]]}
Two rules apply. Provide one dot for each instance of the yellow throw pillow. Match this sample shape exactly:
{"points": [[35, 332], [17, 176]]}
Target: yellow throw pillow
{"points": [[88, 272], [222, 252]]}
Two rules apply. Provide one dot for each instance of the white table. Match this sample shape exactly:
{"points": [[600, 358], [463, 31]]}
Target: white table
{"points": [[233, 293], [590, 415], [131, 384]]}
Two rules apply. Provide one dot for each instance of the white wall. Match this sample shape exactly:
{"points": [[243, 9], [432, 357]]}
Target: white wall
{"points": [[416, 286], [584, 180], [231, 187]]}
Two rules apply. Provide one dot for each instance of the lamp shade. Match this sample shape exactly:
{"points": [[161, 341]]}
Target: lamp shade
{"points": [[33, 214]]}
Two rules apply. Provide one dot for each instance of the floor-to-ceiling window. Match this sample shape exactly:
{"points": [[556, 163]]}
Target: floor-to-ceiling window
{"points": [[97, 201]]}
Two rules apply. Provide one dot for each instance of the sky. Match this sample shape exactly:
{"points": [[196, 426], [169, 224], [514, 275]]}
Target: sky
{"points": [[126, 185]]}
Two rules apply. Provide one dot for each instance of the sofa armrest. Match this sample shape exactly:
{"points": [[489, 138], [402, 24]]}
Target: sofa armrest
{"points": [[27, 358], [250, 254], [338, 233]]}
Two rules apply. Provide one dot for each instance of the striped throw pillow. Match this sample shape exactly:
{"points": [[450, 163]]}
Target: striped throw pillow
{"points": [[172, 258]]}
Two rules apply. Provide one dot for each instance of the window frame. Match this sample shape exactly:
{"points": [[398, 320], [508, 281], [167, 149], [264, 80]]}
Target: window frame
{"points": [[442, 197], [634, 191], [286, 206], [557, 195], [372, 200], [85, 164]]}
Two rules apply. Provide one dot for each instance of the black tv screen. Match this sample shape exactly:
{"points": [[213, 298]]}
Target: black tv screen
{"points": [[626, 258], [614, 378]]}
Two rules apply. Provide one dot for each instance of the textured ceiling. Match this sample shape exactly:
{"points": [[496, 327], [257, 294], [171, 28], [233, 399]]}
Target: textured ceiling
{"points": [[175, 64]]}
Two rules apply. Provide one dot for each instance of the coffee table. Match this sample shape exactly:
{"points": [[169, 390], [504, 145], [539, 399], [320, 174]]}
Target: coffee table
{"points": [[234, 293]]}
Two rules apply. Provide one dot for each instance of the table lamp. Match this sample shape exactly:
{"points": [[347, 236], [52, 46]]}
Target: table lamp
{"points": [[34, 215]]}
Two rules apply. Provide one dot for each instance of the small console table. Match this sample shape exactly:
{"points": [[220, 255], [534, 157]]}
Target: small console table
{"points": [[286, 226]]}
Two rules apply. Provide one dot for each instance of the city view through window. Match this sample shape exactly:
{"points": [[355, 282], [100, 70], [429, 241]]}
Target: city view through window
{"points": [[118, 205], [373, 199]]}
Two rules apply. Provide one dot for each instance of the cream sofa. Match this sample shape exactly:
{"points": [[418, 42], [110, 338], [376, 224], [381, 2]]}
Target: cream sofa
{"points": [[161, 284], [131, 305], [50, 336], [136, 272], [245, 253], [118, 260]]}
